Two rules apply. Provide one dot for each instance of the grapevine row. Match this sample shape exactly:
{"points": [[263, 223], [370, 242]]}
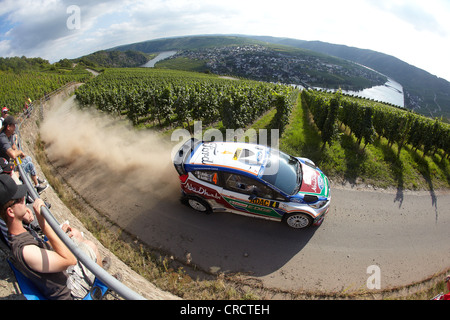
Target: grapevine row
{"points": [[369, 119], [175, 97], [16, 88]]}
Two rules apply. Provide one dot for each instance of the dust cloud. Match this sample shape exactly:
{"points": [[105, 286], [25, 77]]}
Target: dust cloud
{"points": [[109, 150]]}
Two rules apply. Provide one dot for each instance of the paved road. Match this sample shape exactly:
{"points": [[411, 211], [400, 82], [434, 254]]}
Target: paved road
{"points": [[404, 233]]}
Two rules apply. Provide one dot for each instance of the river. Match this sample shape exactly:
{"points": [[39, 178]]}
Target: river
{"points": [[159, 57], [390, 92]]}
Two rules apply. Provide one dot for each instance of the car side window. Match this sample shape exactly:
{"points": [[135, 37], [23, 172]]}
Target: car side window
{"points": [[212, 177], [278, 196], [246, 185]]}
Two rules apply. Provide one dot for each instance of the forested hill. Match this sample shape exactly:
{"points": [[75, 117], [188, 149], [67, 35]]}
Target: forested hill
{"points": [[424, 92], [257, 60], [114, 59], [187, 43]]}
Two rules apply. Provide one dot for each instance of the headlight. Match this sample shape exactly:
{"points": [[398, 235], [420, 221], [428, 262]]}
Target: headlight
{"points": [[318, 204]]}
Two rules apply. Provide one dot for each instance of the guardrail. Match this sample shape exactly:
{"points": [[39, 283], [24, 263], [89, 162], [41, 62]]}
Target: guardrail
{"points": [[98, 271]]}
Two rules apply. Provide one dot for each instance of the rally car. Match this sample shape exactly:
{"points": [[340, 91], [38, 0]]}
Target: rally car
{"points": [[253, 180]]}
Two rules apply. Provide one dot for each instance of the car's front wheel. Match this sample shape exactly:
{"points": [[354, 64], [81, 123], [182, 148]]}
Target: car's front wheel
{"points": [[298, 220], [199, 204]]}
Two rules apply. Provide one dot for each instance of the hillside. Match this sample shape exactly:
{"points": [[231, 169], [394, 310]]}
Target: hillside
{"points": [[424, 93], [187, 43], [114, 59], [256, 60]]}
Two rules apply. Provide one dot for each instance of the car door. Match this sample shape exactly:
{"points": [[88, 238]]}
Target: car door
{"points": [[251, 197]]}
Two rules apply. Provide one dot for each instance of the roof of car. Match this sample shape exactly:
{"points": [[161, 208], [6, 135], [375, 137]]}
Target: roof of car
{"points": [[246, 157]]}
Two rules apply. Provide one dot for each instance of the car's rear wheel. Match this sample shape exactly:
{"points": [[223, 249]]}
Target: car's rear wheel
{"points": [[298, 220], [198, 204]]}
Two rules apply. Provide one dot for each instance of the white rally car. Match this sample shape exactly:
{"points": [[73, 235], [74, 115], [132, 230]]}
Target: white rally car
{"points": [[253, 180]]}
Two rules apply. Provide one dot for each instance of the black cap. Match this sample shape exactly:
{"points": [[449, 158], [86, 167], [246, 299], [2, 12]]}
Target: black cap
{"points": [[10, 190]]}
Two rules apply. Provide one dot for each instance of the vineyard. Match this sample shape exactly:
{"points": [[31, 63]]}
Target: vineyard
{"points": [[367, 120], [169, 99], [17, 87], [177, 98]]}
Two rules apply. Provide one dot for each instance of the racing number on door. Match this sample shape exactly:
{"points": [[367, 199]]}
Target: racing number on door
{"points": [[207, 176]]}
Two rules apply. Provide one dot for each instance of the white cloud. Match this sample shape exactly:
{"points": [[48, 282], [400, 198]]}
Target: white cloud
{"points": [[411, 30]]}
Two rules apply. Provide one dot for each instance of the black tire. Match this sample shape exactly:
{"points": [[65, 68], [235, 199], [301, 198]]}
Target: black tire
{"points": [[298, 220], [198, 204]]}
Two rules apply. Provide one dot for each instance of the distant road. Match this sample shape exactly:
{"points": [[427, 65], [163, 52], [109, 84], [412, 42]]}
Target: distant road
{"points": [[95, 73]]}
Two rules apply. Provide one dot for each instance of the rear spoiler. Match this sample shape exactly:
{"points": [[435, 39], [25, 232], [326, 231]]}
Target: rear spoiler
{"points": [[183, 153]]}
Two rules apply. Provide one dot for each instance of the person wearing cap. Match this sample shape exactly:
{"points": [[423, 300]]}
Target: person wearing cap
{"points": [[43, 263], [8, 169], [9, 150], [50, 265], [30, 223], [5, 111]]}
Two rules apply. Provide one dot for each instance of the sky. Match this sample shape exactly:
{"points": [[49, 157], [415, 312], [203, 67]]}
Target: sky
{"points": [[415, 31]]}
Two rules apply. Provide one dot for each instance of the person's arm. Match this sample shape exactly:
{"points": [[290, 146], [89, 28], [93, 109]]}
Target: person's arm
{"points": [[14, 153], [43, 260]]}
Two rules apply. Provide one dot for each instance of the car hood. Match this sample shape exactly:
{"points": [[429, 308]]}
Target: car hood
{"points": [[314, 181]]}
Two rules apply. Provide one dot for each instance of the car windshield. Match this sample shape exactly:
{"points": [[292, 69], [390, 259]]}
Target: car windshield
{"points": [[283, 171]]}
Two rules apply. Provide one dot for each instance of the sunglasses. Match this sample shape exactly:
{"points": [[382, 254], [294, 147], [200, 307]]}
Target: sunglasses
{"points": [[16, 201]]}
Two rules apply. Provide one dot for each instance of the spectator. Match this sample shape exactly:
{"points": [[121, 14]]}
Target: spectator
{"points": [[29, 221], [26, 110], [7, 167], [9, 150], [5, 111], [447, 281], [50, 265]]}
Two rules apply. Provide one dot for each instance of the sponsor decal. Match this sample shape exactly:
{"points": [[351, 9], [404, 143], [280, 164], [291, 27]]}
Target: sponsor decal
{"points": [[253, 208], [208, 149], [313, 182], [266, 203], [203, 191], [237, 153], [320, 182], [259, 156]]}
